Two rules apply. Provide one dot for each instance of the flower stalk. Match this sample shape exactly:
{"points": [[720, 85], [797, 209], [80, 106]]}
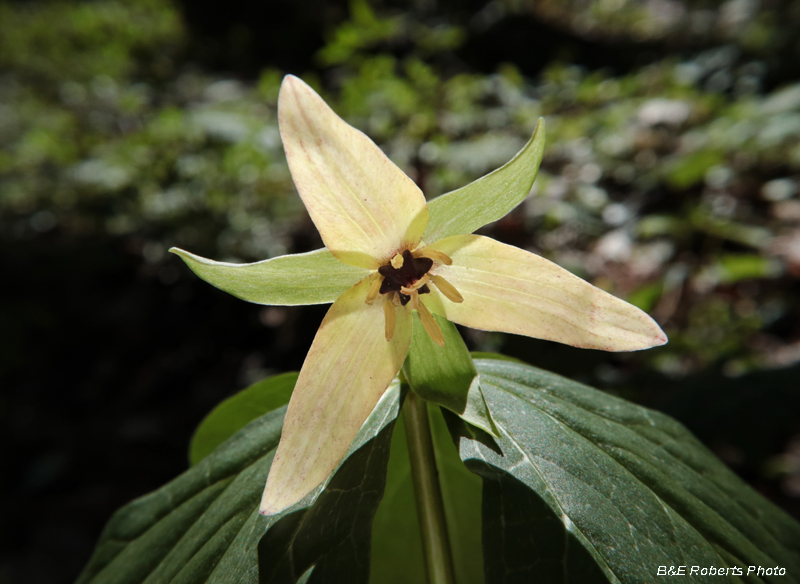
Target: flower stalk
{"points": [[428, 492]]}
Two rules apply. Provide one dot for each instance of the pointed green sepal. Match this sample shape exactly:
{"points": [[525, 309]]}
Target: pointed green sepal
{"points": [[489, 198], [446, 375], [315, 277]]}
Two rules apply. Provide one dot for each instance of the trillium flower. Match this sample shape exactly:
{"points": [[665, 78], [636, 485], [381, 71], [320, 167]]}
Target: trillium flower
{"points": [[377, 269]]}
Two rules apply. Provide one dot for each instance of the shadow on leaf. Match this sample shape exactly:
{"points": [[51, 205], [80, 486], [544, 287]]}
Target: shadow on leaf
{"points": [[333, 536]]}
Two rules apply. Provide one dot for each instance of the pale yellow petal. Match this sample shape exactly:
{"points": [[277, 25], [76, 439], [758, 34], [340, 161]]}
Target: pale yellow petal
{"points": [[349, 366], [511, 290], [365, 207]]}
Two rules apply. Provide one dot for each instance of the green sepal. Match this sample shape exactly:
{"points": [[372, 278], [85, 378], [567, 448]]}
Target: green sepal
{"points": [[315, 277], [489, 198], [446, 375], [237, 411]]}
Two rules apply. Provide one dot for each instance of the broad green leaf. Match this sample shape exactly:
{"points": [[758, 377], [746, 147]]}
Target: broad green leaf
{"points": [[446, 375], [204, 526], [527, 542], [237, 411], [315, 277], [396, 544], [633, 486], [489, 198]]}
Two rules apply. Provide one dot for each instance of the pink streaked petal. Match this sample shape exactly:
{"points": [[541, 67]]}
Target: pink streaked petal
{"points": [[365, 207], [511, 290], [349, 366]]}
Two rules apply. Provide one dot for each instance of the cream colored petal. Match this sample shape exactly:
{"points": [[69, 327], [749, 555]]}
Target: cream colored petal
{"points": [[365, 207], [349, 366], [511, 290]]}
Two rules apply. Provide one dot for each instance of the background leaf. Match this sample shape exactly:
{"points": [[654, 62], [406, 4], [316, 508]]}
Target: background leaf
{"points": [[489, 198], [633, 486], [315, 277], [237, 411], [204, 526], [397, 547]]}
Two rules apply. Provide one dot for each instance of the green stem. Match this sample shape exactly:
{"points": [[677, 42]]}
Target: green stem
{"points": [[427, 492]]}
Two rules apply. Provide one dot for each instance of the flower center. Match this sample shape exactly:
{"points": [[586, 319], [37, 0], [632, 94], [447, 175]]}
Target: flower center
{"points": [[406, 276], [403, 276]]}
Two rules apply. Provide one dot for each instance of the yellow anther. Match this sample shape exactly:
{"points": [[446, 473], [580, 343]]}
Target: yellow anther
{"points": [[415, 286], [397, 261], [374, 289], [435, 255], [389, 314], [429, 323], [447, 289]]}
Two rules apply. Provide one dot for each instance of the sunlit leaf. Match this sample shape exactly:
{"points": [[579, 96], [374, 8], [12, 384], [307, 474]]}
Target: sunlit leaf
{"points": [[736, 267], [489, 198], [692, 168]]}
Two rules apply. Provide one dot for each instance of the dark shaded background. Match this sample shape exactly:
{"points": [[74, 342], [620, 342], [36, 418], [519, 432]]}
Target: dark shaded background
{"points": [[112, 352]]}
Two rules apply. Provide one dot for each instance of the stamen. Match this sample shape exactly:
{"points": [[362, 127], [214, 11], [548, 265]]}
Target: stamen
{"points": [[447, 289], [415, 286], [389, 313], [429, 323], [397, 261], [435, 255], [374, 289]]}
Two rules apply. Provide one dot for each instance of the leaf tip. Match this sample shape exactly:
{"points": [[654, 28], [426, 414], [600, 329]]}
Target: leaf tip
{"points": [[176, 250]]}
